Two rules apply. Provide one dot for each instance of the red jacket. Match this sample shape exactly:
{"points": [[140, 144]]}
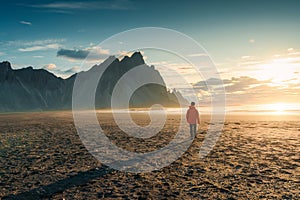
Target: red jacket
{"points": [[192, 115]]}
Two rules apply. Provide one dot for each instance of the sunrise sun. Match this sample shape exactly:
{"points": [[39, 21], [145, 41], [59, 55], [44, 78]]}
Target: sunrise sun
{"points": [[278, 108]]}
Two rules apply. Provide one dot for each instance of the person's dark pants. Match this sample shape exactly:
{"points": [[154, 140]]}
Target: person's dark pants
{"points": [[193, 129]]}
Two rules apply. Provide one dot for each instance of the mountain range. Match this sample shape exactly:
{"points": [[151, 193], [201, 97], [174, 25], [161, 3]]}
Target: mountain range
{"points": [[29, 89]]}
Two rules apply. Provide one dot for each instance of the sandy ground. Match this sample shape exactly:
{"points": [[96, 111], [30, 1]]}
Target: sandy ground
{"points": [[42, 157]]}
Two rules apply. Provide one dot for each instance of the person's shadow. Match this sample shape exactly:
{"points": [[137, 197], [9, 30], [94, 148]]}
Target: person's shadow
{"points": [[48, 190], [79, 179]]}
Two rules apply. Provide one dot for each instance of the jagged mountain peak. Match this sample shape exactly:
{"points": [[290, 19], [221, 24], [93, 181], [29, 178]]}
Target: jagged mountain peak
{"points": [[5, 70], [126, 63], [5, 65], [135, 59]]}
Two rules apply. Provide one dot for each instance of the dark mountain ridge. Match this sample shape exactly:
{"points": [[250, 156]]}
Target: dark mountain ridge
{"points": [[29, 89]]}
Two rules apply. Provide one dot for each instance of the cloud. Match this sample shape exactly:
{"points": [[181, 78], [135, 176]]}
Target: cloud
{"points": [[72, 70], [251, 41], [64, 5], [198, 55], [235, 84], [98, 50], [238, 84], [38, 56], [35, 45], [67, 73], [85, 5], [185, 68], [247, 90], [210, 81], [74, 54], [246, 57], [40, 48], [25, 23], [92, 53], [263, 93], [210, 84], [125, 53], [249, 63], [278, 67], [50, 66], [58, 11], [2, 53], [28, 43]]}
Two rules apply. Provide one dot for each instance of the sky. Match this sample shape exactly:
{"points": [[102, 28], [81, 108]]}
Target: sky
{"points": [[254, 44]]}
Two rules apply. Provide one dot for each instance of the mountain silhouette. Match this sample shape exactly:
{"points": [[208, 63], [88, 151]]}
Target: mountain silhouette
{"points": [[31, 89]]}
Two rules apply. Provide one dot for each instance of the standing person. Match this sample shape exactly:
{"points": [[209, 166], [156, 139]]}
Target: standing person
{"points": [[192, 117]]}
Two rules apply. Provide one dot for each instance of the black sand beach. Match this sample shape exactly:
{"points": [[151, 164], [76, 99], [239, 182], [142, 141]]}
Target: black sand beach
{"points": [[42, 157]]}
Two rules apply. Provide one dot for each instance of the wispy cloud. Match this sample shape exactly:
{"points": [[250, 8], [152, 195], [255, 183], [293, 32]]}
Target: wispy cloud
{"points": [[50, 66], [198, 55], [57, 70], [33, 45], [251, 41], [69, 6], [40, 48], [33, 42], [247, 90], [68, 12], [71, 71], [2, 53], [279, 67], [25, 23], [257, 80], [38, 56], [63, 5]]}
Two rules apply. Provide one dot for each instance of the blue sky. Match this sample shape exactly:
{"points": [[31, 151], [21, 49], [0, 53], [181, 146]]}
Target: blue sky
{"points": [[244, 38], [217, 25]]}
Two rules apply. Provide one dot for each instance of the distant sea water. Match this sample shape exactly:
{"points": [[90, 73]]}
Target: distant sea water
{"points": [[263, 115], [253, 115]]}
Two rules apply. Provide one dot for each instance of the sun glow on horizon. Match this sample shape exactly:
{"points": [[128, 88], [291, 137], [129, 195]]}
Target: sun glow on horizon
{"points": [[279, 108]]}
